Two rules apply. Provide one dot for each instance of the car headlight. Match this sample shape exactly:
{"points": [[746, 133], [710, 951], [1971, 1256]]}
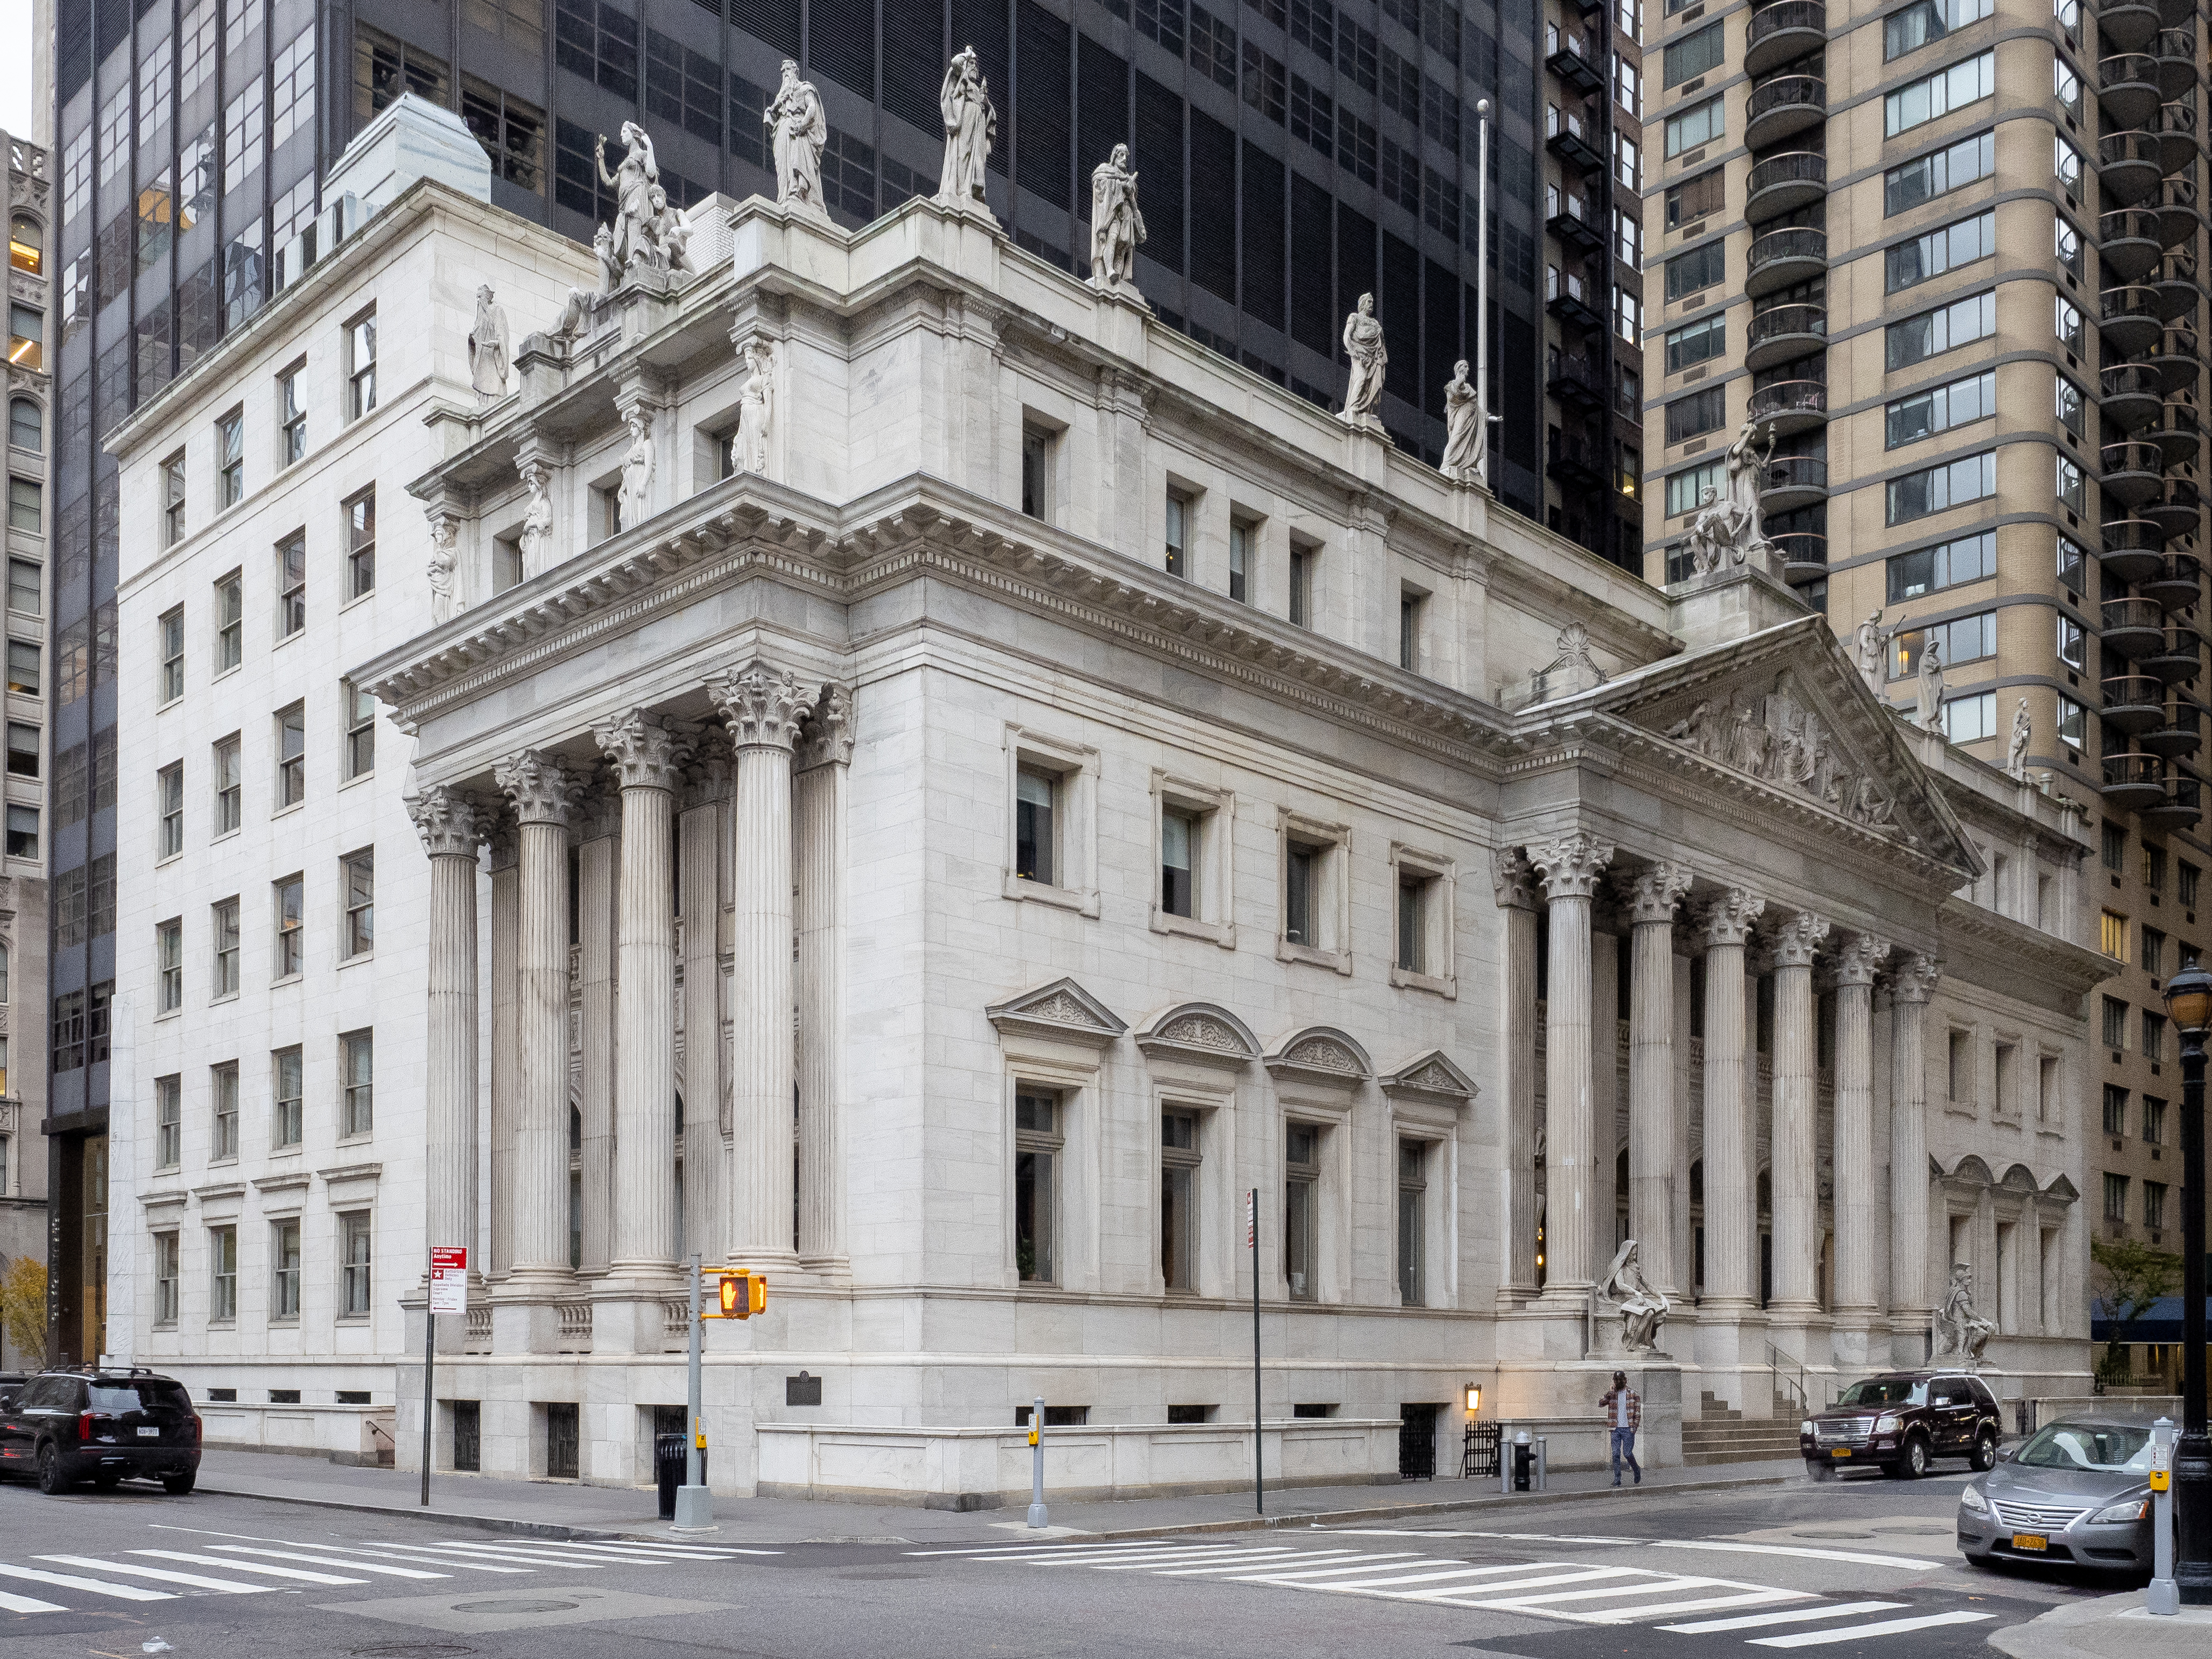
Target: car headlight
{"points": [[1972, 1501], [1886, 1423], [2133, 1509], [1806, 1427]]}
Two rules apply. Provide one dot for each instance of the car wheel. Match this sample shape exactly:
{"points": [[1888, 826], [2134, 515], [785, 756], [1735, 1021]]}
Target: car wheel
{"points": [[1985, 1453], [52, 1480], [177, 1485], [1912, 1463]]}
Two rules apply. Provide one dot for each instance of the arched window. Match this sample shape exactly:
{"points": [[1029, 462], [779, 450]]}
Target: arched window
{"points": [[26, 243], [25, 429]]}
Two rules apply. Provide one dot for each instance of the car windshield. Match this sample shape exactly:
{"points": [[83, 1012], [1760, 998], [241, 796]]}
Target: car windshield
{"points": [[114, 1394], [1885, 1391], [2107, 1448]]}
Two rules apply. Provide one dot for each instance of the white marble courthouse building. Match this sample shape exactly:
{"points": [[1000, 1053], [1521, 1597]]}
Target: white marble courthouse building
{"points": [[896, 770]]}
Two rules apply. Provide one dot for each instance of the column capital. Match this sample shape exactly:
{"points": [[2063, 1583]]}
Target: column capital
{"points": [[447, 821], [538, 785], [1650, 895], [1513, 878], [1860, 957], [1797, 939], [762, 705], [827, 737], [646, 754], [1570, 864], [1914, 979], [1727, 918]]}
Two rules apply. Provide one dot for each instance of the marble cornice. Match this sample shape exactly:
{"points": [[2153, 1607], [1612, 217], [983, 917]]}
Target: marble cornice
{"points": [[2067, 967]]}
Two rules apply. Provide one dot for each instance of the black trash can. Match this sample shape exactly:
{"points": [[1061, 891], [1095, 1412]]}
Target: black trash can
{"points": [[669, 1467]]}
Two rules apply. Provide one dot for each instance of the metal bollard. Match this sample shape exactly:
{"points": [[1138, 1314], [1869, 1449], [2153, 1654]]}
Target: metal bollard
{"points": [[2163, 1599], [1504, 1463], [1541, 1451]]}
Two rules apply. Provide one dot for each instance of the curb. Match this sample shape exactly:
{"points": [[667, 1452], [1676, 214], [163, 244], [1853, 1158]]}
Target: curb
{"points": [[547, 1529]]}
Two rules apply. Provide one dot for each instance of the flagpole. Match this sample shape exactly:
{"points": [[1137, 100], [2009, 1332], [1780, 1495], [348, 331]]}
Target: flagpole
{"points": [[1482, 283]]}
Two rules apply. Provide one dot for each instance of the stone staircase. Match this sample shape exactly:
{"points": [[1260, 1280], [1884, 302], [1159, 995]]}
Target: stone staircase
{"points": [[1720, 1435]]}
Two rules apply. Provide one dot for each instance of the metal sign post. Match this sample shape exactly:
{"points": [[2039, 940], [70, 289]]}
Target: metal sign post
{"points": [[1259, 1426], [695, 1504], [1036, 1463], [2163, 1598], [449, 1294]]}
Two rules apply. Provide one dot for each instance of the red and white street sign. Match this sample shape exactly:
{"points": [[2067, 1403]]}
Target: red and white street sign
{"points": [[449, 1279]]}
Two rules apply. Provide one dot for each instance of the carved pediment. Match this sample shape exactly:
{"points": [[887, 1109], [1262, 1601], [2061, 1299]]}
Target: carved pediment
{"points": [[1429, 1076], [1203, 1032], [1063, 1011], [1321, 1054]]}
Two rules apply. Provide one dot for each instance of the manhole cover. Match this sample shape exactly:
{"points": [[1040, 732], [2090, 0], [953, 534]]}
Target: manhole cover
{"points": [[1928, 1529], [516, 1607], [1831, 1536], [412, 1650]]}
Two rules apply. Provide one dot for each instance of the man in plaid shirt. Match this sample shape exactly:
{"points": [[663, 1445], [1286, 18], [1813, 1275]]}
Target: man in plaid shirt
{"points": [[1624, 1415]]}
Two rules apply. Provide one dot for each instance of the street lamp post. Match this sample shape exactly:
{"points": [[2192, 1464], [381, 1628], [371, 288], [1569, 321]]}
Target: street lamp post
{"points": [[2189, 1005]]}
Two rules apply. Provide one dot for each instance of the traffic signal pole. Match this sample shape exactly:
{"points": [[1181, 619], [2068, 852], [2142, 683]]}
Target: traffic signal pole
{"points": [[695, 1504]]}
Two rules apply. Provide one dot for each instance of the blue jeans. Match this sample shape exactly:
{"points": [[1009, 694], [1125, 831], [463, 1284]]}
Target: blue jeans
{"points": [[1624, 1448]]}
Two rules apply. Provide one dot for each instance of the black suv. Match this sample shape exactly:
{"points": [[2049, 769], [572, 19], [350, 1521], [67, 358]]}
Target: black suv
{"points": [[1901, 1420], [100, 1426]]}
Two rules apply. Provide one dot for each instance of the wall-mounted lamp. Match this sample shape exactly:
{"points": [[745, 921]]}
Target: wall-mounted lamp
{"points": [[1473, 1397]]}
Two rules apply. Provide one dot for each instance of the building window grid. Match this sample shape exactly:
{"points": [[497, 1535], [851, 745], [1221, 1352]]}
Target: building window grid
{"points": [[288, 1123], [288, 895], [360, 871], [169, 960], [357, 1107]]}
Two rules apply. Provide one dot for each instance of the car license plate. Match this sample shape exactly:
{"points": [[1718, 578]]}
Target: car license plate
{"points": [[1840, 1451], [148, 1434], [2030, 1540]]}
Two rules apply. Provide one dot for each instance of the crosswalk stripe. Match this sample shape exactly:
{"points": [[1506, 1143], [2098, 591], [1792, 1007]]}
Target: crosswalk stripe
{"points": [[409, 1553], [1435, 1580], [507, 1552], [27, 1604], [1301, 1565], [1917, 1564], [604, 1558], [228, 1586], [1742, 1598], [1181, 1560], [305, 1558], [69, 1581], [248, 1566], [1027, 1548], [690, 1552], [1149, 1558], [1813, 1638], [1451, 1592], [1645, 1587], [1783, 1616]]}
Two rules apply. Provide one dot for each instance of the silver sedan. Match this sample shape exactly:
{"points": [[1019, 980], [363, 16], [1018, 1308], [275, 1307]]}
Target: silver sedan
{"points": [[2076, 1493]]}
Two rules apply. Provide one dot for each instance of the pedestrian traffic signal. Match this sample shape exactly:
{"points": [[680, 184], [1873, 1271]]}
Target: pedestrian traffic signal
{"points": [[733, 1295], [741, 1295]]}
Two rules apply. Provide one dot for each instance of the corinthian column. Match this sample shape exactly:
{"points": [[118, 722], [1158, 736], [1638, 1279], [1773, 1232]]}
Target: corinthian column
{"points": [[763, 709], [646, 756], [1569, 866], [448, 825], [1651, 899], [1515, 883], [1910, 988], [539, 787], [1730, 1211], [1794, 1142], [823, 755], [1861, 958]]}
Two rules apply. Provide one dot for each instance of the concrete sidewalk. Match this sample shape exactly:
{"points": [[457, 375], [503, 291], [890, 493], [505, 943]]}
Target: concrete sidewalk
{"points": [[561, 1508], [2110, 1627]]}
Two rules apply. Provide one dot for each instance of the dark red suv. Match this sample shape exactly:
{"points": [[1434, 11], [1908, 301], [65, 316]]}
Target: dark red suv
{"points": [[101, 1427], [1899, 1421]]}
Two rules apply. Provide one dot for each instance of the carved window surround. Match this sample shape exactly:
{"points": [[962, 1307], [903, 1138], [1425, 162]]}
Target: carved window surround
{"points": [[1213, 864], [1329, 896], [1075, 815], [1440, 923]]}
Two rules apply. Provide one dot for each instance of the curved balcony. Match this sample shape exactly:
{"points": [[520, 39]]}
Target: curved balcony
{"points": [[1789, 482], [2134, 548], [1788, 406], [2179, 213], [2176, 510], [2183, 807], [2128, 89], [1803, 553], [2131, 473], [1785, 332], [2129, 242], [2129, 165], [2175, 279], [1796, 253], [2175, 430], [2134, 627], [2175, 358], [2177, 62], [2175, 13], [2180, 657], [2180, 734], [2127, 25], [2134, 781], [2128, 317], [1786, 104], [2177, 585], [1781, 183], [2133, 703], [1779, 33], [2179, 133], [2131, 394]]}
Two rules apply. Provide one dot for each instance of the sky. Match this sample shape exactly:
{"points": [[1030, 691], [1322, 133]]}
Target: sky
{"points": [[16, 56]]}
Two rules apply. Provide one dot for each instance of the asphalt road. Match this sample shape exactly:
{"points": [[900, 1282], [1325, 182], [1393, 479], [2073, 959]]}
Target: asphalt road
{"points": [[1853, 1567]]}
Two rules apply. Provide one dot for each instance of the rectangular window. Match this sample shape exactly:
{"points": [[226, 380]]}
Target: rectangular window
{"points": [[1694, 54], [2066, 167], [1179, 843], [1695, 198], [222, 1275], [229, 621], [2116, 1197], [1241, 535], [1410, 605], [1700, 268], [291, 585], [355, 1243], [1960, 1068], [2154, 951], [2116, 1109], [1412, 1244], [224, 919], [1942, 328], [1972, 718], [2068, 403], [168, 1122], [22, 832], [1302, 559], [2154, 1120], [1923, 178], [1417, 896], [1687, 490], [1698, 124], [292, 414], [26, 586], [1301, 1210], [2154, 1204], [284, 1270], [169, 960], [288, 895], [1934, 96], [1964, 639], [223, 1081], [2153, 868], [229, 786], [2073, 724], [361, 544], [1037, 1141], [358, 1073], [2115, 1030], [173, 500], [1179, 1163], [291, 756], [358, 872], [288, 1091], [230, 459], [359, 730], [2112, 935], [23, 742], [173, 655], [1947, 564], [1177, 533], [1302, 877], [1696, 342], [1941, 408], [2073, 643], [1923, 21], [2068, 326], [165, 1278], [1036, 472], [2067, 484], [361, 365], [1698, 414], [1036, 825], [2153, 1037], [2187, 874], [1939, 488]]}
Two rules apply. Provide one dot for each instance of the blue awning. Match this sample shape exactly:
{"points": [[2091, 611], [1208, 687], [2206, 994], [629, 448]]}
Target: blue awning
{"points": [[2159, 1321]]}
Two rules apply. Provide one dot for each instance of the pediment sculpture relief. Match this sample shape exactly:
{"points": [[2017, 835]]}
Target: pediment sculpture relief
{"points": [[1779, 737], [1321, 1054], [1202, 1032]]}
